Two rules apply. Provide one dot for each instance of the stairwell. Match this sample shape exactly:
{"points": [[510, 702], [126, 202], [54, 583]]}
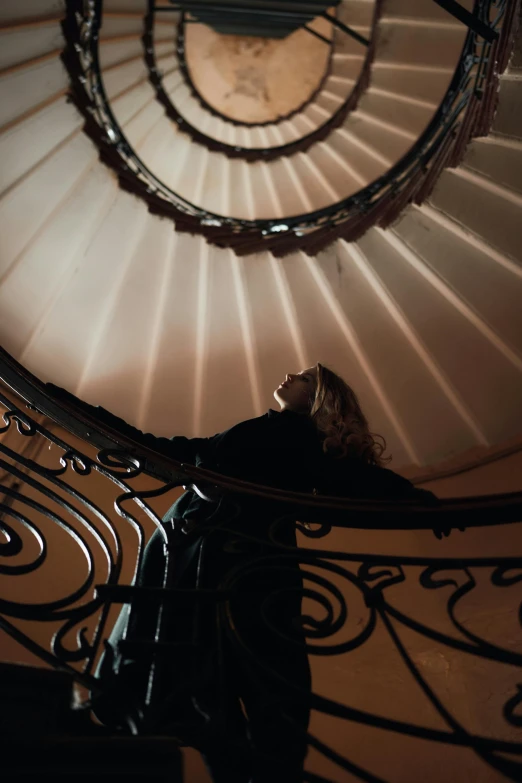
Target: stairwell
{"points": [[177, 334], [199, 312]]}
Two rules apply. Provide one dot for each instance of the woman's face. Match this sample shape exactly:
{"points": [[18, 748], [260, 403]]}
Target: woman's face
{"points": [[296, 392]]}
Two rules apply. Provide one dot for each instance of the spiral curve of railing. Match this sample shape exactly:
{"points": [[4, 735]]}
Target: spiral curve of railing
{"points": [[252, 153], [466, 111], [43, 506]]}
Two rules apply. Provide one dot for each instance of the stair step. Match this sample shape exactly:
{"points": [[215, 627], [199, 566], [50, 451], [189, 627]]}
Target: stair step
{"points": [[40, 736], [121, 77], [125, 6], [40, 134], [516, 58], [425, 10], [487, 282], [486, 209], [41, 193], [435, 45], [21, 43], [508, 120], [113, 51], [428, 84], [84, 208], [28, 85], [13, 11], [103, 759], [497, 158], [120, 24], [407, 115], [33, 700], [355, 13]]}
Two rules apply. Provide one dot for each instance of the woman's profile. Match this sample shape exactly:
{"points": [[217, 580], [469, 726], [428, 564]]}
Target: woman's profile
{"points": [[319, 441]]}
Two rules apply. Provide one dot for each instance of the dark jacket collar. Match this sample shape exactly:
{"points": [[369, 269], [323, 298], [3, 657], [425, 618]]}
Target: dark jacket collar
{"points": [[287, 413]]}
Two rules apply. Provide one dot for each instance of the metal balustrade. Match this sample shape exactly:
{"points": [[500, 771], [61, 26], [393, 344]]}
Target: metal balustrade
{"points": [[59, 459], [466, 110]]}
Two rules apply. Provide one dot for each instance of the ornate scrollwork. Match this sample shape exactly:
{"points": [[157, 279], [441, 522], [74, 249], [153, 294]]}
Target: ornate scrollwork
{"points": [[14, 543], [50, 513], [41, 499], [512, 704], [24, 424]]}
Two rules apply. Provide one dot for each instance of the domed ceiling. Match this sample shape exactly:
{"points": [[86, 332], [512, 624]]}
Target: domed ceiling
{"points": [[179, 332]]}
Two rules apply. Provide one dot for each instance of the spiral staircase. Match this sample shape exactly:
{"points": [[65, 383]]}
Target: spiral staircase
{"points": [[185, 219], [187, 328]]}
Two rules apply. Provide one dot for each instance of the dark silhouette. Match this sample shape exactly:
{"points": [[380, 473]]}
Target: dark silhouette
{"points": [[244, 694]]}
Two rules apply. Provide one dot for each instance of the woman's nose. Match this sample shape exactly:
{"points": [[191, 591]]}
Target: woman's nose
{"points": [[289, 376]]}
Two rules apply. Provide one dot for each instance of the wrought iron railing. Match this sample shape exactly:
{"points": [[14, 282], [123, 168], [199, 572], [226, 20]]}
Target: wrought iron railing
{"points": [[256, 153], [55, 513], [467, 110]]}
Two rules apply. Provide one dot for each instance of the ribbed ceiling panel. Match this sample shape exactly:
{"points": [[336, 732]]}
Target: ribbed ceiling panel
{"points": [[180, 337]]}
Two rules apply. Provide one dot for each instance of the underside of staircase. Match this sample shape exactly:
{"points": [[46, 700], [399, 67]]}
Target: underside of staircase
{"points": [[128, 306]]}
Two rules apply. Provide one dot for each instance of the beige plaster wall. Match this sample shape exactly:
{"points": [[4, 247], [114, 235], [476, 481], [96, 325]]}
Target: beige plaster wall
{"points": [[503, 475]]}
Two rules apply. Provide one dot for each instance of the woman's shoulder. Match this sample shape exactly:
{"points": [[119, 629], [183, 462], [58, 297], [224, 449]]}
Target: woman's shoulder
{"points": [[284, 422], [352, 477]]}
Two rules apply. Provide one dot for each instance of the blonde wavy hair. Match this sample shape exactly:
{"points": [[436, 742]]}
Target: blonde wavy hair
{"points": [[337, 414]]}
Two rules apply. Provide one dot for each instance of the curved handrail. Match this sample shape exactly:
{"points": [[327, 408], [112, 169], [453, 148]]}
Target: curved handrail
{"points": [[184, 69], [467, 108], [254, 153], [375, 515], [350, 594]]}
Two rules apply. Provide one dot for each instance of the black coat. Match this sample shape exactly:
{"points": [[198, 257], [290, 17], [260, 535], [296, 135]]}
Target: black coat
{"points": [[281, 450], [278, 449]]}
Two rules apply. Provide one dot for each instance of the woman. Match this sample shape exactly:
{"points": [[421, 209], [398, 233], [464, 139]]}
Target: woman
{"points": [[319, 442]]}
